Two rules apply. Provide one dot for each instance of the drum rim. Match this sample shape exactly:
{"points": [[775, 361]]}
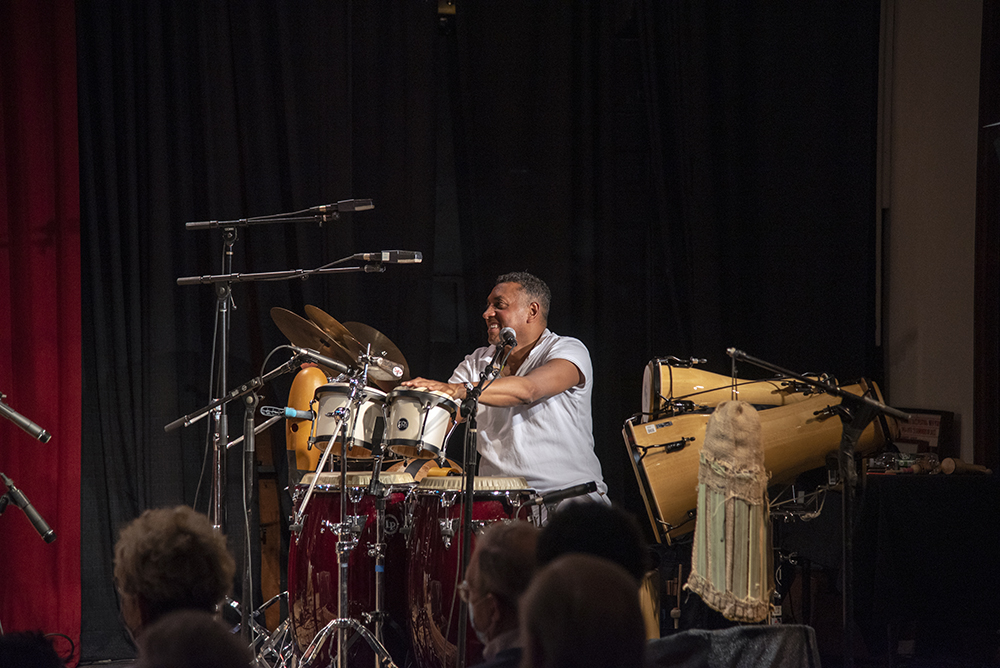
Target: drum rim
{"points": [[457, 483], [410, 391], [366, 390], [355, 479]]}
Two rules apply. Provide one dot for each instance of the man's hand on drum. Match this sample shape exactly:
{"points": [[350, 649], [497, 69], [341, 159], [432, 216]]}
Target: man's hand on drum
{"points": [[453, 390]]}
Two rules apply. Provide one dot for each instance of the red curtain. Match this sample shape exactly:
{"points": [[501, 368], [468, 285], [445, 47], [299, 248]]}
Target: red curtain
{"points": [[40, 366]]}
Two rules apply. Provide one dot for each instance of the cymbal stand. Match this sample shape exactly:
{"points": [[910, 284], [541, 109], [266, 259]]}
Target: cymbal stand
{"points": [[470, 410], [856, 413], [347, 533]]}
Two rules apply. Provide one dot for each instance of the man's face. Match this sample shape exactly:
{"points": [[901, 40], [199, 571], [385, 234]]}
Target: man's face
{"points": [[479, 612], [507, 306]]}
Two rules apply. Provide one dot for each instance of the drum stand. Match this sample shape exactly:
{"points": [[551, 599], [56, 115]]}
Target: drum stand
{"points": [[346, 543], [856, 413]]}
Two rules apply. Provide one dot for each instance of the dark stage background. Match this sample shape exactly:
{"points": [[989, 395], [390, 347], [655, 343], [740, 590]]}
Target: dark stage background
{"points": [[685, 177]]}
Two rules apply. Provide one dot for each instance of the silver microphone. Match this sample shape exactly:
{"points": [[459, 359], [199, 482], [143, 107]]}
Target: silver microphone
{"points": [[344, 205], [391, 257], [24, 423], [386, 365]]}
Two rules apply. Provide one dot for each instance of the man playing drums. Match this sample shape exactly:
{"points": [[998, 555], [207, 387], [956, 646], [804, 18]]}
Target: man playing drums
{"points": [[534, 419]]}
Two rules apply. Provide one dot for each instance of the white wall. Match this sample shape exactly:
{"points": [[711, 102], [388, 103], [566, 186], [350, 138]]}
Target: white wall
{"points": [[931, 98]]}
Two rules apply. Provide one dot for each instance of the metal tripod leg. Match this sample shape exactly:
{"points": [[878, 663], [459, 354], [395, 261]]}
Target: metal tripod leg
{"points": [[309, 655]]}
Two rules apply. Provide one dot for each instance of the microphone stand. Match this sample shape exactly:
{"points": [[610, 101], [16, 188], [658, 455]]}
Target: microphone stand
{"points": [[857, 412], [223, 291], [248, 390], [470, 410]]}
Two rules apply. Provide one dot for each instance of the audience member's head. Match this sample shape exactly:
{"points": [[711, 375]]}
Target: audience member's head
{"points": [[590, 527], [170, 559], [499, 571], [28, 650], [582, 611], [191, 639]]}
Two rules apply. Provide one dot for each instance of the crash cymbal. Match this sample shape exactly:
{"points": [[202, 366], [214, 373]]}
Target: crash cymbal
{"points": [[381, 346], [306, 334], [340, 333]]}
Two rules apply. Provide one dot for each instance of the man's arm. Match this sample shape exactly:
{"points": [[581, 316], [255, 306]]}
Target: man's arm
{"points": [[549, 379]]}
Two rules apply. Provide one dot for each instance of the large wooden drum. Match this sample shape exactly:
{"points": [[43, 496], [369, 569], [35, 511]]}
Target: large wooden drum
{"points": [[796, 438]]}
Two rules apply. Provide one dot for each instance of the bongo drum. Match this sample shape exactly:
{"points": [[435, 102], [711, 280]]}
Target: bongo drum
{"points": [[368, 423], [419, 422]]}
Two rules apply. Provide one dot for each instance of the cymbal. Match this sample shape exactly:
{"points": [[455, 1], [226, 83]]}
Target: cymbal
{"points": [[332, 326], [306, 334], [381, 347]]}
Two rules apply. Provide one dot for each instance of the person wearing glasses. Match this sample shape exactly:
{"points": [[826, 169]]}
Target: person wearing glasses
{"points": [[500, 570]]}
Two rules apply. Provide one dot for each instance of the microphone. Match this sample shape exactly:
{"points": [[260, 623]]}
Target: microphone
{"points": [[386, 365], [21, 501], [344, 205], [391, 257], [562, 494], [508, 337], [24, 423], [289, 412], [321, 359]]}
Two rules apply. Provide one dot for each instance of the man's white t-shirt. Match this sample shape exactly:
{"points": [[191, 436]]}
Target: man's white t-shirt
{"points": [[550, 443]]}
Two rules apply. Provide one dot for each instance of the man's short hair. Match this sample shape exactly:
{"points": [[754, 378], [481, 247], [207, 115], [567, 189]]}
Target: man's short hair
{"points": [[172, 558], [506, 560], [582, 610], [591, 527], [534, 287]]}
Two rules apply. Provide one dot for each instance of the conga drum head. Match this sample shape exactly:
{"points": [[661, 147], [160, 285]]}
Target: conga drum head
{"points": [[421, 468]]}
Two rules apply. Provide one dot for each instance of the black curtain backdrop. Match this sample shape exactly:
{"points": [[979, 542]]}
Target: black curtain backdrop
{"points": [[686, 178]]}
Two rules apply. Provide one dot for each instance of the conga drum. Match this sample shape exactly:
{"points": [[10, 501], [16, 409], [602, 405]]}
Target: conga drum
{"points": [[434, 559], [313, 568], [796, 438], [663, 382]]}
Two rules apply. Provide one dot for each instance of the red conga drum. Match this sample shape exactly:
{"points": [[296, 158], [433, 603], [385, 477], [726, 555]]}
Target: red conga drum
{"points": [[313, 569], [434, 559]]}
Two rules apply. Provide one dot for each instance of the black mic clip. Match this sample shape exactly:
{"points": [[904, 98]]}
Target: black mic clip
{"points": [[560, 495]]}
